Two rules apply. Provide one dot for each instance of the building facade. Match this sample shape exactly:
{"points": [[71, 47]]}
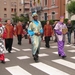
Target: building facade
{"points": [[9, 7], [50, 9]]}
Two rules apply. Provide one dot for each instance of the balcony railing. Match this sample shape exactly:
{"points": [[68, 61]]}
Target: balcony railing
{"points": [[39, 8]]}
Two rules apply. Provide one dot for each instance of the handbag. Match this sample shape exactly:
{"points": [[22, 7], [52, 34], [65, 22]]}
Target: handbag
{"points": [[64, 31]]}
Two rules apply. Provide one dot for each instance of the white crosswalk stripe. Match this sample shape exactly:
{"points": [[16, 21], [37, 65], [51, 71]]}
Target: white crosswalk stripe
{"points": [[54, 46], [23, 57], [31, 49], [55, 52], [43, 55], [48, 69], [16, 49], [73, 57], [72, 51], [11, 51], [65, 63], [6, 59], [17, 70], [26, 49]]}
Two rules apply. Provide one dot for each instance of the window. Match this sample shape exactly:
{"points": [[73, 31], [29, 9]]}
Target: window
{"points": [[13, 4], [5, 9], [45, 15], [53, 15], [45, 2], [5, 15], [20, 10], [12, 10], [53, 2], [5, 2]]}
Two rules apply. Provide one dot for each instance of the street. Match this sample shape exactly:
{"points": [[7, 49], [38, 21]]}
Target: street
{"points": [[20, 61]]}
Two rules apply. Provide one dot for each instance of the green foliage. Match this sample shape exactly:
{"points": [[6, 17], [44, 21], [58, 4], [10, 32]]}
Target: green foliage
{"points": [[21, 18], [66, 21], [43, 23], [52, 22], [71, 7]]}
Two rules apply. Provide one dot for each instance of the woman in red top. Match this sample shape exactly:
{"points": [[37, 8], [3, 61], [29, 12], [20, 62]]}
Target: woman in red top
{"points": [[47, 33]]}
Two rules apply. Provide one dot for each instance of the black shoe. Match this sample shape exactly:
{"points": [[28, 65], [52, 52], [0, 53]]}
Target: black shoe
{"points": [[36, 60], [59, 54], [9, 51], [63, 57], [3, 61]]}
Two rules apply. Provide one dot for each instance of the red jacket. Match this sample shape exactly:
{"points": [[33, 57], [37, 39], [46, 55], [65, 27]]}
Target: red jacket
{"points": [[47, 30], [9, 31], [19, 30]]}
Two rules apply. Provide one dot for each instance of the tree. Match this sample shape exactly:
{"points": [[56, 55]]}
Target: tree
{"points": [[71, 8], [15, 18], [21, 18]]}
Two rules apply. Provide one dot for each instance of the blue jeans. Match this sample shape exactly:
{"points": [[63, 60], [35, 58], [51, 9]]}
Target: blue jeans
{"points": [[69, 37]]}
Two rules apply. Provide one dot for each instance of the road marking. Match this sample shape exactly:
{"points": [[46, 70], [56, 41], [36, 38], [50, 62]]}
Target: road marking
{"points": [[11, 51], [31, 49], [71, 51], [48, 69], [42, 48], [23, 57], [65, 63], [54, 46], [26, 49], [17, 70], [43, 55], [16, 49], [67, 45], [6, 59], [73, 46], [55, 52], [73, 57]]}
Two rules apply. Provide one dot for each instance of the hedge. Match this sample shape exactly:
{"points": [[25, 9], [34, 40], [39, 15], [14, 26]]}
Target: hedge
{"points": [[52, 22]]}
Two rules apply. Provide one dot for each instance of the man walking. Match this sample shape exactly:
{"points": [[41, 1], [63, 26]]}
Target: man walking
{"points": [[69, 26], [61, 30], [35, 30], [19, 32], [9, 36]]}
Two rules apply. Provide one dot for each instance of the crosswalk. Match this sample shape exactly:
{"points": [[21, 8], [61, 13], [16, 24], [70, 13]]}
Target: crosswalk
{"points": [[46, 68]]}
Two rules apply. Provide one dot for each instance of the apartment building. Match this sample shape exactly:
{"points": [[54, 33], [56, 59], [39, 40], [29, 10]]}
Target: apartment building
{"points": [[9, 7], [50, 9]]}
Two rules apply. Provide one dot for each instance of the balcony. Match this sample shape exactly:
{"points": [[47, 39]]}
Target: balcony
{"points": [[27, 6], [36, 9]]}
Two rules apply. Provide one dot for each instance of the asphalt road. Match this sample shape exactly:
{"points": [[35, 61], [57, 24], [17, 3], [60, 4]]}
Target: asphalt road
{"points": [[20, 61]]}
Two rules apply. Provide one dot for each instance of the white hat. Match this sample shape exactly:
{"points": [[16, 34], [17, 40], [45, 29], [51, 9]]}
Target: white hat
{"points": [[34, 14]]}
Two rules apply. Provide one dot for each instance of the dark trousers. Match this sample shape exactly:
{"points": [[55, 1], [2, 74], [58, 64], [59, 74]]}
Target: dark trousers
{"points": [[8, 44], [47, 39], [19, 37], [25, 36], [36, 56], [69, 37]]}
